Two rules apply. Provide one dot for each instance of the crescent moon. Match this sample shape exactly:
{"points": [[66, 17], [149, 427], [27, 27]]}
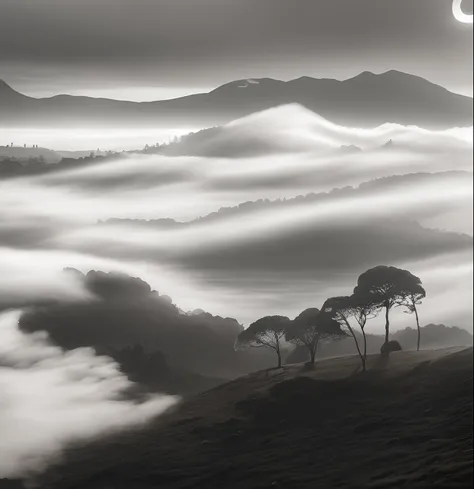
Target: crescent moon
{"points": [[459, 14]]}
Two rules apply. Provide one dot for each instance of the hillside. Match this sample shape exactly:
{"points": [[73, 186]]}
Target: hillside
{"points": [[164, 350], [26, 154], [149, 336], [406, 423], [365, 100], [365, 188], [293, 129]]}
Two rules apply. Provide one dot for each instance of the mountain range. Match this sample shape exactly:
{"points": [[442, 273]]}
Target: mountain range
{"points": [[367, 100]]}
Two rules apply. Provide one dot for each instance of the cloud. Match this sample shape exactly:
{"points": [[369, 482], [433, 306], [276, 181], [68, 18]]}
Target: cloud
{"points": [[51, 398], [249, 224], [30, 277], [23, 234], [293, 128], [126, 181], [271, 248], [303, 154], [371, 205]]}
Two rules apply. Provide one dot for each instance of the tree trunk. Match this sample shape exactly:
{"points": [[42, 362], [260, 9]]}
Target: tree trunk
{"points": [[387, 322], [362, 359], [418, 328], [365, 343], [277, 348], [279, 358], [313, 352]]}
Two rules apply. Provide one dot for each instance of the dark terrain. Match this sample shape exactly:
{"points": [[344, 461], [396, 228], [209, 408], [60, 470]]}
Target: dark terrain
{"points": [[407, 422], [164, 350]]}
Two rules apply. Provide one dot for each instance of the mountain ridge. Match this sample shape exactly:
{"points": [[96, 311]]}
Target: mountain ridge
{"points": [[366, 100], [257, 81]]}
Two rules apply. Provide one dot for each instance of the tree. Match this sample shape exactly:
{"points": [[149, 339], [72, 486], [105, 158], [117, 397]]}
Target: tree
{"points": [[363, 308], [340, 309], [309, 328], [267, 332], [410, 300], [386, 287]]}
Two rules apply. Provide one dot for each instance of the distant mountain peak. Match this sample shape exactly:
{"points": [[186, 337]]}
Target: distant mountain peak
{"points": [[247, 82], [388, 75], [6, 91], [366, 74], [4, 85], [366, 100]]}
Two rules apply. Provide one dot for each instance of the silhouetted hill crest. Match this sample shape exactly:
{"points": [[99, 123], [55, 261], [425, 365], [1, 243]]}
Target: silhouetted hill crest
{"points": [[343, 430], [372, 185], [367, 100]]}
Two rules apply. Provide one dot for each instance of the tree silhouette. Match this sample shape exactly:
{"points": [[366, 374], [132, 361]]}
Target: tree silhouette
{"points": [[363, 308], [309, 328], [411, 299], [386, 287], [267, 332], [341, 310]]}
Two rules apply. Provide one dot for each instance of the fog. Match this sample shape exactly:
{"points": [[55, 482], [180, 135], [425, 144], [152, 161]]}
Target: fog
{"points": [[271, 214], [52, 398], [81, 139], [406, 203], [292, 127]]}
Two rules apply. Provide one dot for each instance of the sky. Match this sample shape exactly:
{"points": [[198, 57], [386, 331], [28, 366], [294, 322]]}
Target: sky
{"points": [[158, 49]]}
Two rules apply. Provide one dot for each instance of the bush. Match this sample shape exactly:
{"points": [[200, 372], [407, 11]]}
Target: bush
{"points": [[390, 346]]}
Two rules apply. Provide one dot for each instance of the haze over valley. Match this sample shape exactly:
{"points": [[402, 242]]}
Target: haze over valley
{"points": [[273, 255]]}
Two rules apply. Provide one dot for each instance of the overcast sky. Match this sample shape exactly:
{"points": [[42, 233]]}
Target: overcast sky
{"points": [[154, 49]]}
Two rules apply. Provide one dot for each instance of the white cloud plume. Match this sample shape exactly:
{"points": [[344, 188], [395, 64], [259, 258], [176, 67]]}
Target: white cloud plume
{"points": [[50, 398]]}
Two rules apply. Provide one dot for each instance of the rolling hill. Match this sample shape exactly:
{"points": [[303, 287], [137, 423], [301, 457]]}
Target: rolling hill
{"points": [[24, 154], [291, 129], [366, 100], [407, 422]]}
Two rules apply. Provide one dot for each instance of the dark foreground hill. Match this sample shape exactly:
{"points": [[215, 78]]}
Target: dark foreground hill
{"points": [[407, 423]]}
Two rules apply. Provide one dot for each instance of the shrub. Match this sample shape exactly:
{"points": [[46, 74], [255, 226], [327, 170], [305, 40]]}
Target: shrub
{"points": [[390, 346]]}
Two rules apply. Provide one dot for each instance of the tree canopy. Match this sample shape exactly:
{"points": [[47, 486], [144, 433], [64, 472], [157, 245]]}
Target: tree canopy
{"points": [[386, 287], [310, 327], [341, 309], [267, 332]]}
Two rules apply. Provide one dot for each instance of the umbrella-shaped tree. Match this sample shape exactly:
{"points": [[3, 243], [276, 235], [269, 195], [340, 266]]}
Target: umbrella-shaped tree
{"points": [[310, 327], [340, 309], [267, 332], [362, 308], [386, 287], [412, 298]]}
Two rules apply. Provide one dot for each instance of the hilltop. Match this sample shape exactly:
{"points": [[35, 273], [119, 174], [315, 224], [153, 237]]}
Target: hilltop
{"points": [[367, 100], [407, 422], [25, 154], [291, 129]]}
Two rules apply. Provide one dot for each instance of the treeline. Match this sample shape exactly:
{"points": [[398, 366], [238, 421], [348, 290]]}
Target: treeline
{"points": [[196, 347], [375, 185], [378, 290], [14, 167], [191, 144], [165, 349], [434, 336]]}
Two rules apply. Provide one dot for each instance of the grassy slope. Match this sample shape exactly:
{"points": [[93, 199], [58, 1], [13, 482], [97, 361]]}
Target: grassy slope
{"points": [[407, 423]]}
